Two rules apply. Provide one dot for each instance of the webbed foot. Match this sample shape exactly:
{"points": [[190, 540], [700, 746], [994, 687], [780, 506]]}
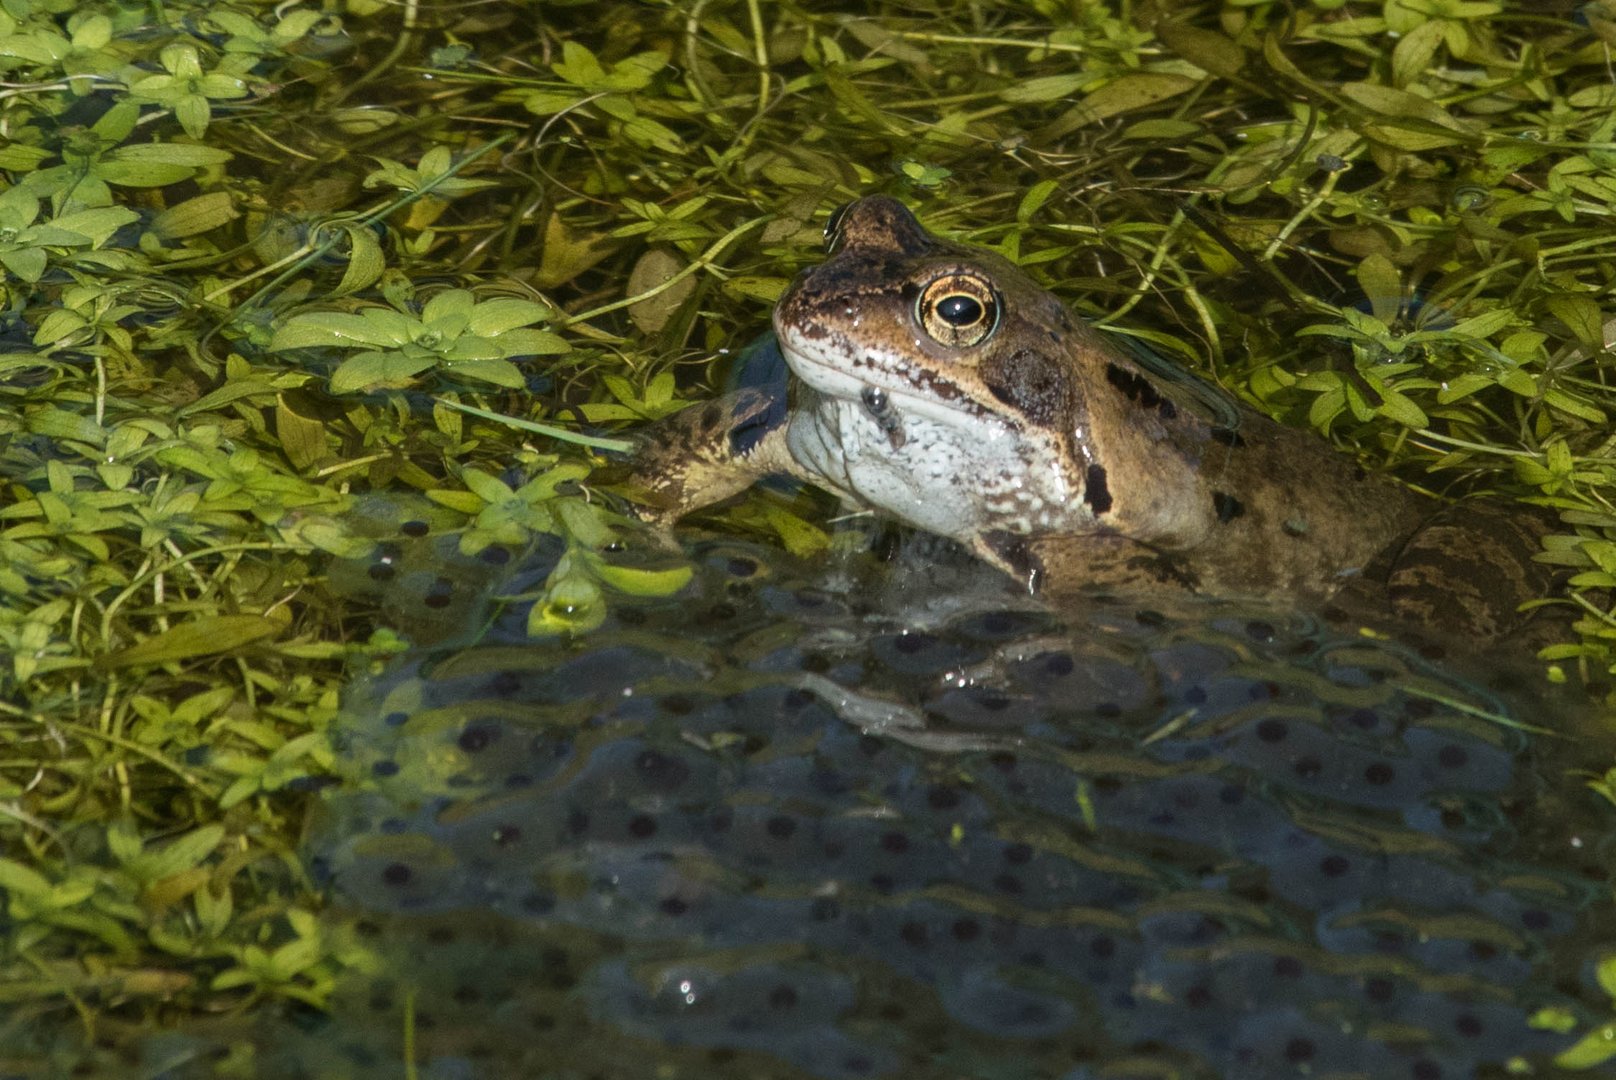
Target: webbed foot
{"points": [[704, 454]]}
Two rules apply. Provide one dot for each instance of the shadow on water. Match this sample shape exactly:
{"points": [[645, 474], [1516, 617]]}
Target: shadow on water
{"points": [[836, 824]]}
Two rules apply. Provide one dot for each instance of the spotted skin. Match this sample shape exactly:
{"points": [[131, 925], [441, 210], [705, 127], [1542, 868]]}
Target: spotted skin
{"points": [[696, 458], [938, 383], [1471, 563]]}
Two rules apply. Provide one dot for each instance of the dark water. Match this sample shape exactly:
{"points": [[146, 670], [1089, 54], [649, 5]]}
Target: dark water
{"points": [[835, 821]]}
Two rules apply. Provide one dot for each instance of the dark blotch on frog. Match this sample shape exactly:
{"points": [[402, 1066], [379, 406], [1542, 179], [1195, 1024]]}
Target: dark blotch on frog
{"points": [[1033, 383], [1001, 416]]}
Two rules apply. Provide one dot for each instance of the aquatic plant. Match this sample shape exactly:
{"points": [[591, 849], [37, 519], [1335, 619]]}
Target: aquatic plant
{"points": [[263, 261]]}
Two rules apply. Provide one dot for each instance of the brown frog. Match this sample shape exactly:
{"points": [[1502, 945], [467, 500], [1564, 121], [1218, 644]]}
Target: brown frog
{"points": [[938, 383]]}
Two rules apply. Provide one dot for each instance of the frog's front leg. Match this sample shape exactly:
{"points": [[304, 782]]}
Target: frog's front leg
{"points": [[706, 453], [1061, 566]]}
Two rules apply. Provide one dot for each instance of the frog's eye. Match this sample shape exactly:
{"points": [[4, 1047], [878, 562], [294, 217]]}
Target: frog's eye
{"points": [[833, 228], [958, 310]]}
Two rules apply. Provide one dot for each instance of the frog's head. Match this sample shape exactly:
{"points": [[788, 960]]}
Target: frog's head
{"points": [[954, 331], [949, 376]]}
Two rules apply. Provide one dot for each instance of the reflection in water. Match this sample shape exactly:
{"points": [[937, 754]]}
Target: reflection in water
{"points": [[1220, 843]]}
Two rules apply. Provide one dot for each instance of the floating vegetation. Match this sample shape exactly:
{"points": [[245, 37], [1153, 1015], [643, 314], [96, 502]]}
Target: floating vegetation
{"points": [[273, 273]]}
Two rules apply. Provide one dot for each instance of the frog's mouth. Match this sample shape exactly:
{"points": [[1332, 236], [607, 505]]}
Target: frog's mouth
{"points": [[889, 387]]}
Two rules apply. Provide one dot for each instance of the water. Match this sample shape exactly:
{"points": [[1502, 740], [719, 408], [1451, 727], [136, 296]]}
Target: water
{"points": [[851, 821]]}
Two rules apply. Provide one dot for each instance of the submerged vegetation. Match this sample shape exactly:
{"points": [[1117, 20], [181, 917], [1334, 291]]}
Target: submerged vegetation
{"points": [[262, 259]]}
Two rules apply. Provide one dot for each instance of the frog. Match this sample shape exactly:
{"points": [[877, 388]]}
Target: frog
{"points": [[939, 384]]}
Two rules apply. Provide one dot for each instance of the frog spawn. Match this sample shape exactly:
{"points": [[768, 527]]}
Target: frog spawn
{"points": [[415, 576], [1225, 845]]}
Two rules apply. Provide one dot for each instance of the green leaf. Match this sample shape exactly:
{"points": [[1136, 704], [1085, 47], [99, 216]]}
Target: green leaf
{"points": [[493, 317], [754, 287], [490, 489], [1208, 50], [341, 330], [531, 343], [365, 261], [218, 87], [293, 957], [1595, 1048], [499, 372], [117, 123], [583, 524], [97, 224], [1605, 972], [1382, 283], [1518, 382], [141, 173], [1132, 92], [467, 347], [1463, 386], [1034, 199], [1334, 330], [178, 154], [49, 234], [548, 102], [182, 854], [572, 604], [1484, 325], [1403, 120], [27, 263], [124, 842], [57, 325], [180, 59], [34, 48], [1317, 381], [635, 72], [194, 216], [378, 371], [1581, 315], [1044, 88], [22, 159], [61, 424], [579, 66], [1399, 407], [619, 446], [17, 878], [205, 636], [295, 24], [1162, 129], [329, 536], [1411, 57], [647, 132], [450, 302], [801, 537], [464, 501], [193, 112], [637, 581], [1326, 407], [1554, 1018], [1577, 406], [234, 390]]}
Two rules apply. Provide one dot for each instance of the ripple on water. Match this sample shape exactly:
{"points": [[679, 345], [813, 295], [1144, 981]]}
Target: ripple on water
{"points": [[1224, 844]]}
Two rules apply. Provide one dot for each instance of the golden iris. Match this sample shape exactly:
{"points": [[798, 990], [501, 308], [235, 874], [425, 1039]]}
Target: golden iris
{"points": [[958, 310]]}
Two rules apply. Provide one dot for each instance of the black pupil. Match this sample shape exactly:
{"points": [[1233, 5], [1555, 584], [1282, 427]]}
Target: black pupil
{"points": [[959, 310]]}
